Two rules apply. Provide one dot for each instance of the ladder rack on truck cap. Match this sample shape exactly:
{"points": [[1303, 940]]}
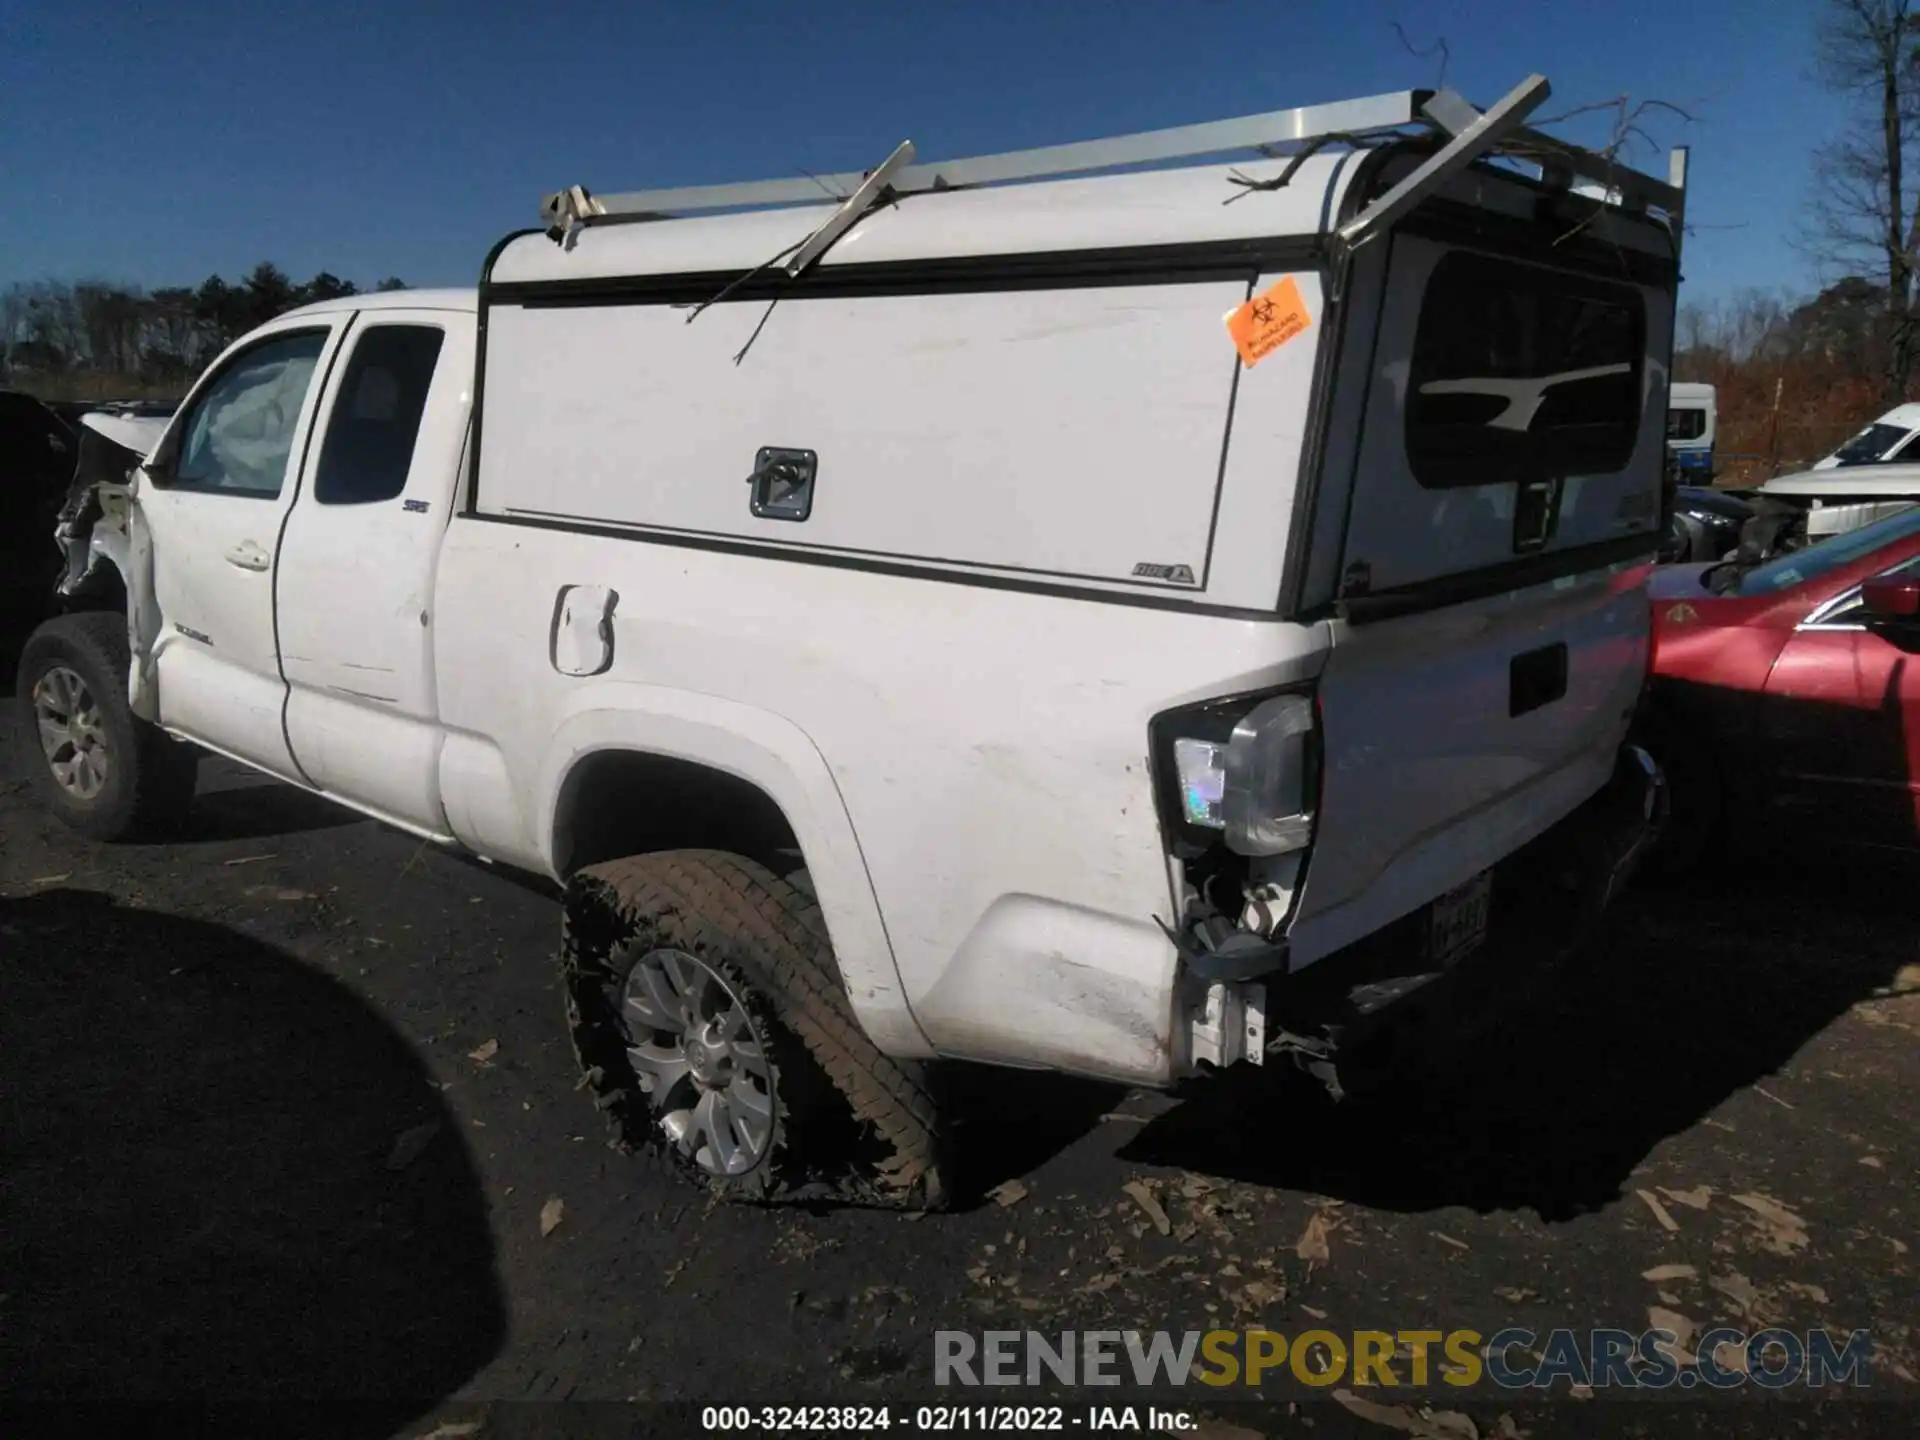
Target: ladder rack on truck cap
{"points": [[1470, 134]]}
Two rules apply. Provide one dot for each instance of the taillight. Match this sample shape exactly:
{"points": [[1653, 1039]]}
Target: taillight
{"points": [[1242, 772]]}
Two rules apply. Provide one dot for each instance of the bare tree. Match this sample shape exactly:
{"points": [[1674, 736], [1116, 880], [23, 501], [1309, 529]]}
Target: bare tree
{"points": [[1866, 207]]}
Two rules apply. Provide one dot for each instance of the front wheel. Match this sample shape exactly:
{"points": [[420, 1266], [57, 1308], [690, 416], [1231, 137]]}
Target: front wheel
{"points": [[105, 772], [712, 1024]]}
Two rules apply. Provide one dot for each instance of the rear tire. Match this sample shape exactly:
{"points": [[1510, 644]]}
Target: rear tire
{"points": [[96, 765], [713, 978]]}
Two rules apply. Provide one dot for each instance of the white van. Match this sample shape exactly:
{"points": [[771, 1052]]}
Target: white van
{"points": [[1126, 624], [1692, 425], [1894, 436]]}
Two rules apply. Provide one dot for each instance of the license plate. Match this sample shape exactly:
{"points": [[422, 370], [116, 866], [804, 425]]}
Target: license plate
{"points": [[1459, 923]]}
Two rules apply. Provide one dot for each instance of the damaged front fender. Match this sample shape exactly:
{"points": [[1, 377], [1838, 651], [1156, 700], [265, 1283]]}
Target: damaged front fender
{"points": [[104, 539], [110, 546]]}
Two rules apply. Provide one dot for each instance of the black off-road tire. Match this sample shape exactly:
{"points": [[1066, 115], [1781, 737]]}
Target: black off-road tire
{"points": [[150, 776], [851, 1125]]}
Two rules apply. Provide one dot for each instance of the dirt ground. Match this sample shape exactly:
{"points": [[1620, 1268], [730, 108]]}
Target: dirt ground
{"points": [[283, 1104]]}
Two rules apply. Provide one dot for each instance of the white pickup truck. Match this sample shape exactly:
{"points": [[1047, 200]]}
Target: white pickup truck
{"points": [[1128, 624]]}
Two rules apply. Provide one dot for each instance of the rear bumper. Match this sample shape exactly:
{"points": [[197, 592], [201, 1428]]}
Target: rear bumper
{"points": [[1624, 819], [1545, 899]]}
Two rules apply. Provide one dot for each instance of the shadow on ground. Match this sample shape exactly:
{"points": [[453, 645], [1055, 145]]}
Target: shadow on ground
{"points": [[257, 809], [1008, 1123], [18, 617], [1689, 994], [195, 1194]]}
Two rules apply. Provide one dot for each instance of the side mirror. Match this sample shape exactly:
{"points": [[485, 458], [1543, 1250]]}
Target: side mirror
{"points": [[1891, 597]]}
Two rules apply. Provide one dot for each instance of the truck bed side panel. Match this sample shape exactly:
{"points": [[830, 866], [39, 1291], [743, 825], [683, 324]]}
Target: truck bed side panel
{"points": [[990, 747]]}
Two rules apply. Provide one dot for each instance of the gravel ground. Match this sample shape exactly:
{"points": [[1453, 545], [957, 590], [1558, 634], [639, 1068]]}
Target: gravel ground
{"points": [[283, 1104]]}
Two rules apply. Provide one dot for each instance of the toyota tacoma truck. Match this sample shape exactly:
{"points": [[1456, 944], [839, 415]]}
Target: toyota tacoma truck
{"points": [[1106, 609]]}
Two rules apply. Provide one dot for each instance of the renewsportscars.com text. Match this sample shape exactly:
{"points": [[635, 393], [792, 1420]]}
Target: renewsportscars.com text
{"points": [[1513, 1359]]}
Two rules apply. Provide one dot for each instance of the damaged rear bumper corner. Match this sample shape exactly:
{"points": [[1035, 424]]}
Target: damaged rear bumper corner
{"points": [[1545, 899]]}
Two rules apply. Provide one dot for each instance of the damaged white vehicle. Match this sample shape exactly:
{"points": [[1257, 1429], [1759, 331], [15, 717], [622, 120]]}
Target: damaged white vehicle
{"points": [[1128, 624]]}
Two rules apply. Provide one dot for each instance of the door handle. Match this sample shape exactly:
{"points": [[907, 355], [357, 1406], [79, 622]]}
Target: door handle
{"points": [[249, 556]]}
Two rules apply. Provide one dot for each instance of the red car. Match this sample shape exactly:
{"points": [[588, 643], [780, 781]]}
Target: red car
{"points": [[1790, 692]]}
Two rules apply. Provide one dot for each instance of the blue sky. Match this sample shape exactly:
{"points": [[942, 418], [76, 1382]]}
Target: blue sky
{"points": [[161, 144]]}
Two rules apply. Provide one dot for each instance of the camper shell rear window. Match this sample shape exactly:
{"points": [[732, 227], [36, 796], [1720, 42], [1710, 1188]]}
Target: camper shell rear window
{"points": [[1522, 373]]}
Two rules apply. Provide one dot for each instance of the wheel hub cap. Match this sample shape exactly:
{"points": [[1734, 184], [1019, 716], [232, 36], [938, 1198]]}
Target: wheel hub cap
{"points": [[72, 733], [700, 1061]]}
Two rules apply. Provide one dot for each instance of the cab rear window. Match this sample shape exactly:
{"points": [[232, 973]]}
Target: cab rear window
{"points": [[1522, 373]]}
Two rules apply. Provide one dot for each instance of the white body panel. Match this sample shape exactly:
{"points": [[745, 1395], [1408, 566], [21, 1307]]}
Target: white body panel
{"points": [[1038, 489], [356, 602], [989, 750], [1826, 520], [214, 659], [1843, 498], [1851, 482]]}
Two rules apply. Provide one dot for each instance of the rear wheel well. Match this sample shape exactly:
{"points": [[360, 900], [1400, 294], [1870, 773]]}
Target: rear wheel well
{"points": [[616, 803]]}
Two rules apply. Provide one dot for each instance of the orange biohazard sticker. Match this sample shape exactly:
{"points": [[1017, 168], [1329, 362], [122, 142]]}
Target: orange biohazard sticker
{"points": [[1268, 321]]}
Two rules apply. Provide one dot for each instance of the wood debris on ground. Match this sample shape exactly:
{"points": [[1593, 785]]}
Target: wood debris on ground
{"points": [[1737, 1288], [551, 1214], [1425, 1424], [1697, 1198], [1660, 1212], [1781, 1230], [1144, 1197], [1682, 1329], [1007, 1192], [1312, 1245], [1670, 1272]]}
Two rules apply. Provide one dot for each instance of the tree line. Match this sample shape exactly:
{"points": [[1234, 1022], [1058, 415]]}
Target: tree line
{"points": [[1792, 379], [59, 338]]}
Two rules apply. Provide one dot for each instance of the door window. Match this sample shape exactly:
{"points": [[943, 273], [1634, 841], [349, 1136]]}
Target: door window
{"points": [[240, 430], [376, 415]]}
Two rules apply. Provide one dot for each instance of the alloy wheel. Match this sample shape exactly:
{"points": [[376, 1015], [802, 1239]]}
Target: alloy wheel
{"points": [[72, 732], [700, 1060]]}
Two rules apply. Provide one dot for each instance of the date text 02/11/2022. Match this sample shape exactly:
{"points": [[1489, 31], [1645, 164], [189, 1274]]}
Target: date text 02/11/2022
{"points": [[939, 1419]]}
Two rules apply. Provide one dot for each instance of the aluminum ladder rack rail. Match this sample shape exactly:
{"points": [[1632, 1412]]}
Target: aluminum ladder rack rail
{"points": [[1470, 135]]}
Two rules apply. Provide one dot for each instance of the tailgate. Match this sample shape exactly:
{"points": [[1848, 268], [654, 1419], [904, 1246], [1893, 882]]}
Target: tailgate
{"points": [[1454, 736], [1502, 512]]}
